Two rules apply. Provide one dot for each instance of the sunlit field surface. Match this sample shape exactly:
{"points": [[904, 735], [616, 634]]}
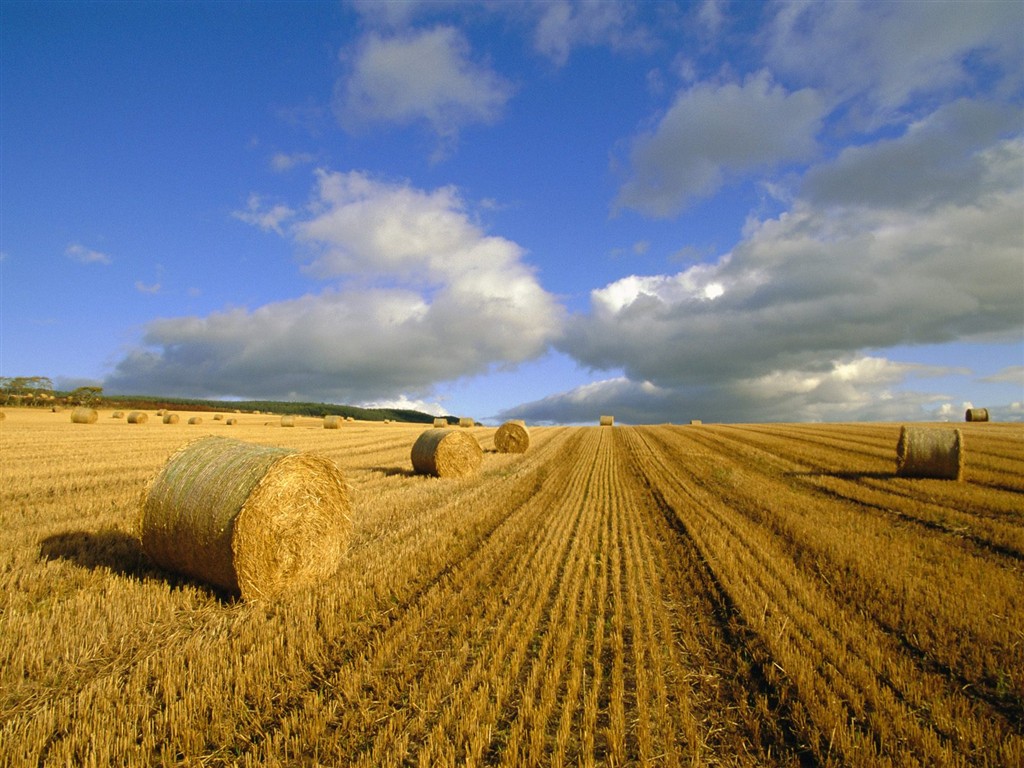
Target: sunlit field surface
{"points": [[656, 595]]}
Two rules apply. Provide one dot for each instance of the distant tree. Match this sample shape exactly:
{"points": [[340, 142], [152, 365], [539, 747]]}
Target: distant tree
{"points": [[85, 396], [25, 388]]}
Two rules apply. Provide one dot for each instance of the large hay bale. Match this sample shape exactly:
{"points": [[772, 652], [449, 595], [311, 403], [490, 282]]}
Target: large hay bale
{"points": [[440, 423], [171, 418], [196, 420], [607, 421], [231, 422], [251, 519], [138, 417], [929, 452], [84, 416], [333, 422], [976, 414], [466, 422], [287, 421], [512, 437], [446, 453]]}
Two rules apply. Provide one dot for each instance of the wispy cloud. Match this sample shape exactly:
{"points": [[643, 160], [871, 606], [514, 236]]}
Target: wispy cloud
{"points": [[83, 255]]}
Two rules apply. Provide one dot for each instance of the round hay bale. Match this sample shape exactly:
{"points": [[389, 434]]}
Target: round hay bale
{"points": [[929, 452], [171, 418], [466, 422], [696, 422], [976, 414], [55, 409], [607, 421], [446, 453], [287, 421], [333, 422], [440, 423], [512, 437], [117, 415], [251, 519], [218, 417], [84, 416], [231, 422], [161, 412], [2, 415], [196, 420], [138, 417]]}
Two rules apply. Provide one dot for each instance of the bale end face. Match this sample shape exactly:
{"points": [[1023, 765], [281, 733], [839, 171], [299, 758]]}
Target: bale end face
{"points": [[446, 453], [607, 421], [512, 437], [929, 452], [976, 414]]}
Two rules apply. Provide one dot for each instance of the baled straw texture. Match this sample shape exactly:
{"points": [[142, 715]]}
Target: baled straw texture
{"points": [[231, 422], [512, 437], [333, 422], [446, 453], [287, 421], [251, 519], [466, 422], [138, 417], [117, 415], [218, 417], [929, 452], [171, 418], [976, 414], [696, 422], [196, 420], [2, 415], [440, 423], [607, 421], [84, 416]]}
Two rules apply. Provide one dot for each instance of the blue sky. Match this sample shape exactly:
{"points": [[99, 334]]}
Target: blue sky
{"points": [[552, 210]]}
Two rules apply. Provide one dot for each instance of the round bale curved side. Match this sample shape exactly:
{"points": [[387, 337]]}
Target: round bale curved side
{"points": [[84, 416], [138, 417], [446, 453], [933, 452], [976, 414]]}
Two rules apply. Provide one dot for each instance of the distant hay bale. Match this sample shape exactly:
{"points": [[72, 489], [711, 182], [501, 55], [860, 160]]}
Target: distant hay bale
{"points": [[512, 437], [138, 417], [117, 415], [350, 418], [2, 415], [171, 418], [976, 414], [161, 412], [696, 422], [196, 420], [287, 421], [218, 417], [440, 423], [446, 453], [466, 422], [84, 416], [607, 421], [255, 520], [55, 409], [929, 452], [333, 422], [231, 422]]}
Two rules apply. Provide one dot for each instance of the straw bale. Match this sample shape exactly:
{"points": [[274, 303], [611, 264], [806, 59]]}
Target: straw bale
{"points": [[440, 423], [117, 415], [976, 414], [287, 421], [251, 519], [196, 420], [696, 422], [512, 437], [55, 409], [466, 422], [929, 452], [84, 416], [138, 417], [171, 418], [231, 422], [218, 417], [333, 422], [2, 415], [607, 421], [446, 453]]}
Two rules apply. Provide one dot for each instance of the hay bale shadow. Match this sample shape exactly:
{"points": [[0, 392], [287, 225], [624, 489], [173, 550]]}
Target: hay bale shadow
{"points": [[121, 554], [394, 471]]}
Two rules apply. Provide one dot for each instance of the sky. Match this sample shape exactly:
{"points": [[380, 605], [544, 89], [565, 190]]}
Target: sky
{"points": [[663, 211]]}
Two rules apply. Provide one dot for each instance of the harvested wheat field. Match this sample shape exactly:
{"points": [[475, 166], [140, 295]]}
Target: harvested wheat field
{"points": [[663, 595]]}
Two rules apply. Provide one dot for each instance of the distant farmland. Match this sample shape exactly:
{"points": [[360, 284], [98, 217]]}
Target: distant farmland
{"points": [[659, 595]]}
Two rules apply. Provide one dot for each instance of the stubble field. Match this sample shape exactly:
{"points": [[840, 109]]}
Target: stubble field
{"points": [[655, 595]]}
